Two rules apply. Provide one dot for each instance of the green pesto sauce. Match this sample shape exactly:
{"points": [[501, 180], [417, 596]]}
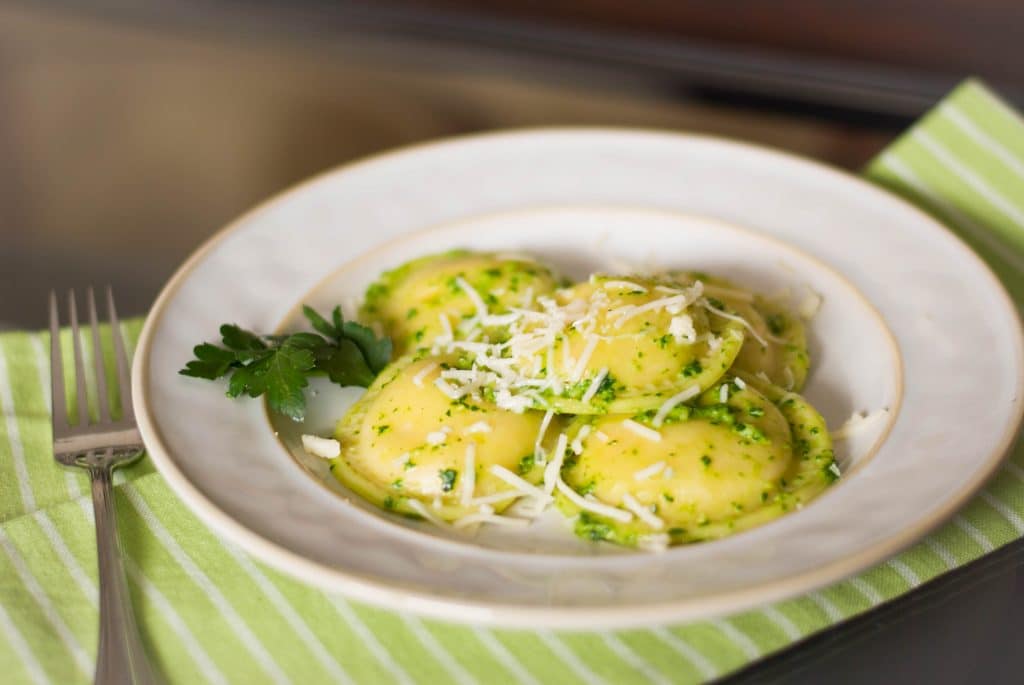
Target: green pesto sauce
{"points": [[448, 478], [715, 414]]}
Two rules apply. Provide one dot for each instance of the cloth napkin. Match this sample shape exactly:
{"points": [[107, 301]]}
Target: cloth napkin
{"points": [[210, 613]]}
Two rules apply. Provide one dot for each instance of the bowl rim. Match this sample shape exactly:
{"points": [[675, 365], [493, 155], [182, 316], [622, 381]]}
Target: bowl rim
{"points": [[565, 617]]}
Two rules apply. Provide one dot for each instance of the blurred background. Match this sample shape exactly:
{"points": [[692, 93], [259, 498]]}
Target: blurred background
{"points": [[132, 130]]}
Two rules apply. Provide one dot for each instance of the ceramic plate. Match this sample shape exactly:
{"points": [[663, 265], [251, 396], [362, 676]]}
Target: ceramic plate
{"points": [[911, 322]]}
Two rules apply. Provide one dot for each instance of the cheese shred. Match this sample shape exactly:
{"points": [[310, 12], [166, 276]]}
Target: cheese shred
{"points": [[422, 509], [858, 422], [553, 470], [469, 474], [417, 380], [594, 385], [642, 512], [641, 430], [325, 448], [519, 484], [650, 471], [671, 403], [593, 505]]}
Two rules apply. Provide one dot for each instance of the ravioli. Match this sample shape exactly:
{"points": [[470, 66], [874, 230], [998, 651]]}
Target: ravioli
{"points": [[405, 442], [433, 295], [653, 410], [814, 467], [785, 360], [697, 476], [776, 341], [606, 345], [649, 341]]}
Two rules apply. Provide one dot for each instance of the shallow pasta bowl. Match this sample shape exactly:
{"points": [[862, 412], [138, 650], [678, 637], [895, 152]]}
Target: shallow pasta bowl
{"points": [[904, 306]]}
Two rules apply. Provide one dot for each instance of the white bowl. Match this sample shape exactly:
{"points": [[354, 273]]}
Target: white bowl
{"points": [[911, 320]]}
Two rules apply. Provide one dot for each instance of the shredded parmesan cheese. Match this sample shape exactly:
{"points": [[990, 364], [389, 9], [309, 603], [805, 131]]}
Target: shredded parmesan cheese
{"points": [[737, 318], [445, 387], [567, 360], [602, 436], [672, 304], [641, 430], [581, 363], [469, 474], [496, 497], [478, 302], [670, 404], [642, 512], [519, 484], [740, 383], [810, 305], [500, 319], [514, 403], [653, 543], [790, 380], [421, 509], [581, 435], [650, 471], [553, 470], [417, 380], [556, 383], [478, 427], [592, 505], [858, 422], [436, 437], [446, 326], [624, 285], [325, 448], [594, 385], [538, 448], [681, 328], [723, 393], [492, 518], [730, 293]]}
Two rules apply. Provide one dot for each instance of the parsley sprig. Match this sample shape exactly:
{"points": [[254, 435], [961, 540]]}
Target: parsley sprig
{"points": [[279, 366]]}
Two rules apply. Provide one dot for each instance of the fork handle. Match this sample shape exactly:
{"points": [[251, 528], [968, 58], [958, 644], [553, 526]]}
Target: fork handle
{"points": [[121, 657]]}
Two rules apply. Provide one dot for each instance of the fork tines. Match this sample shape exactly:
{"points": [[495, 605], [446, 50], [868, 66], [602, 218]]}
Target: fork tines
{"points": [[63, 424]]}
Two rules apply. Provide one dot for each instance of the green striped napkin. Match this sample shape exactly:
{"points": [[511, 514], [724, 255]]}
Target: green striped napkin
{"points": [[209, 613]]}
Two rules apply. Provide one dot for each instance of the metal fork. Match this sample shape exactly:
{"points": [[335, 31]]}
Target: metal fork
{"points": [[100, 448]]}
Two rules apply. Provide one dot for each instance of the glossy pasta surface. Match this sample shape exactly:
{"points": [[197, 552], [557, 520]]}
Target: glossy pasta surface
{"points": [[406, 441], [432, 295], [648, 410]]}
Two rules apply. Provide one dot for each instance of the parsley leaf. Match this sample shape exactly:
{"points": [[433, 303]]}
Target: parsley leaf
{"points": [[279, 366], [239, 339], [319, 323], [280, 374], [211, 362], [376, 351], [345, 365]]}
